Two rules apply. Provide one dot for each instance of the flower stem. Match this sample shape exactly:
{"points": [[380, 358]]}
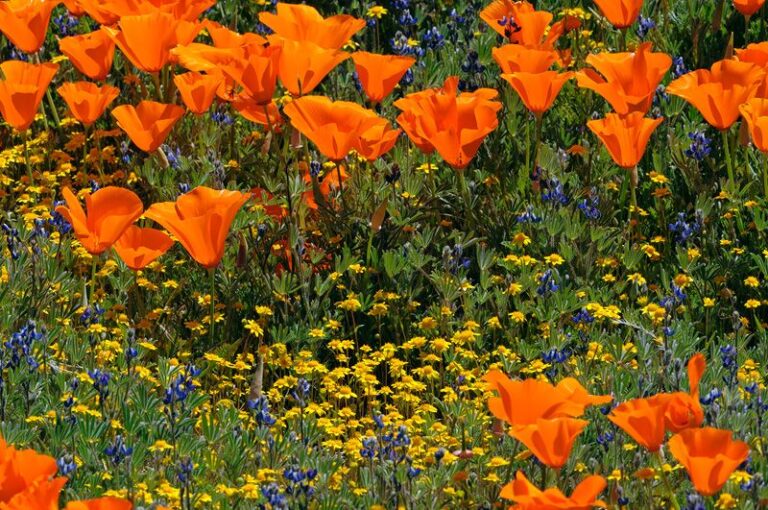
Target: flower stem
{"points": [[728, 162], [212, 276]]}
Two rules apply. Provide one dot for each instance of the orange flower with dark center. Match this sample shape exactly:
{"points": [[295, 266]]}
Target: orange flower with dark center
{"points": [[87, 101], [748, 7], [621, 13], [454, 125], [513, 58], [25, 22], [550, 440], [628, 81], [147, 39], [299, 22], [529, 497], [755, 113], [520, 23], [625, 137], [709, 455], [304, 64], [537, 91], [108, 214], [197, 90], [91, 54], [138, 247], [718, 92], [200, 220], [256, 72], [380, 74], [149, 123], [100, 504], [22, 89], [643, 420]]}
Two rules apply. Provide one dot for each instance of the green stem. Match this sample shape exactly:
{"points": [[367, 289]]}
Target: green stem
{"points": [[26, 157], [212, 276], [728, 161], [537, 145], [93, 278]]}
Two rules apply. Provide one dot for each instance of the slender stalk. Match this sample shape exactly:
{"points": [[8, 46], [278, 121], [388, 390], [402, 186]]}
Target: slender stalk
{"points": [[765, 174], [728, 161], [537, 144], [26, 157], [212, 277]]}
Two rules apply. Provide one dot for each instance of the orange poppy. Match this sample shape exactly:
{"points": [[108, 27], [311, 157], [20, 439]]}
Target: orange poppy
{"points": [[225, 38], [643, 420], [718, 92], [537, 91], [43, 493], [22, 90], [300, 22], [100, 504], [108, 214], [513, 58], [323, 184], [102, 12], [380, 74], [709, 455], [621, 13], [375, 137], [683, 410], [87, 101], [529, 497], [138, 247], [755, 113], [748, 7], [454, 125], [625, 136], [304, 64], [25, 22], [20, 469], [628, 81], [92, 53], [550, 440], [257, 72], [147, 39], [333, 126], [255, 112], [200, 220], [197, 90], [74, 7], [756, 53], [149, 123], [520, 23]]}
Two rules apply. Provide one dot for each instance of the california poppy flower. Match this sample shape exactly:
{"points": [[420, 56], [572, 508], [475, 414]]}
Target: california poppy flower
{"points": [[621, 13], [529, 497], [628, 81], [74, 8], [299, 22], [330, 178], [537, 91], [304, 64], [148, 123], [748, 7], [683, 410], [223, 37], [138, 247], [200, 220], [625, 136], [91, 54], [709, 455], [197, 90], [520, 23], [107, 503], [20, 469], [550, 440], [43, 493], [375, 137], [756, 53], [268, 115], [256, 72], [513, 58], [87, 101], [454, 125], [108, 214], [380, 74], [25, 22], [643, 420], [718, 92], [755, 113], [22, 90]]}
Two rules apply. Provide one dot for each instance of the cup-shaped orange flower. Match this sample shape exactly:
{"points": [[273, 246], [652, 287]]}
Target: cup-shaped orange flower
{"points": [[304, 64], [200, 220], [22, 90], [529, 497], [550, 440], [41, 494], [628, 81], [250, 110], [100, 504], [756, 53], [92, 54], [138, 247], [514, 58], [225, 38], [683, 410], [256, 72], [300, 22], [454, 125], [621, 13], [755, 113], [375, 138], [87, 101], [333, 126], [718, 92], [537, 91], [520, 23], [108, 214], [25, 22], [643, 420], [625, 136], [20, 469], [380, 74], [748, 7], [709, 455], [149, 123], [197, 90]]}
